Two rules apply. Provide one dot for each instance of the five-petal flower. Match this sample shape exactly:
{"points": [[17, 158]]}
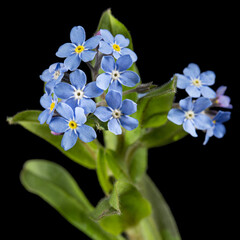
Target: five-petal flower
{"points": [[71, 123], [117, 46], [78, 49], [196, 83], [116, 73], [191, 116], [221, 99], [117, 113], [78, 93]]}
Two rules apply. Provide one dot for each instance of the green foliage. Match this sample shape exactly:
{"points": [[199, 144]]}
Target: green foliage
{"points": [[82, 153]]}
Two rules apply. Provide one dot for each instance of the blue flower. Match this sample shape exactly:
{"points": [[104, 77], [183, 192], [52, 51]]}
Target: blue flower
{"points": [[52, 76], [218, 129], [196, 83], [190, 115], [71, 123], [49, 104], [117, 113], [221, 99], [78, 94], [115, 45], [115, 73], [78, 49]]}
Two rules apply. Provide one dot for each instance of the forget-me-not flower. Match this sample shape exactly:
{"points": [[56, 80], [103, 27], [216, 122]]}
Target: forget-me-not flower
{"points": [[221, 99], [190, 115], [196, 83], [78, 93], [218, 129], [52, 76], [117, 113], [71, 123], [115, 45], [116, 73], [49, 103], [78, 49]]}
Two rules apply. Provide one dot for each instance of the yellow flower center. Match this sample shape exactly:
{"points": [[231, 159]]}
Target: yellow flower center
{"points": [[214, 121], [72, 124], [79, 49], [52, 106], [197, 82], [116, 47]]}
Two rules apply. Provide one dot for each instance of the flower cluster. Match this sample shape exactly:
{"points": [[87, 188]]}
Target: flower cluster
{"points": [[69, 99], [200, 113]]}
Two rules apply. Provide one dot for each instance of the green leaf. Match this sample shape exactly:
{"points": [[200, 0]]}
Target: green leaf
{"points": [[161, 223], [56, 186], [82, 153], [166, 134], [102, 172], [154, 106], [133, 208]]}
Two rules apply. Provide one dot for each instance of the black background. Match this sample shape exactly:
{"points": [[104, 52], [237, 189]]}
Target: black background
{"points": [[200, 183]]}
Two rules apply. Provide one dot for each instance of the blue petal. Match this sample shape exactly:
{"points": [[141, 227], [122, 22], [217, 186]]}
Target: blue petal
{"points": [[193, 91], [123, 63], [128, 107], [88, 105], [86, 133], [46, 101], [116, 54], [80, 117], [221, 90], [49, 87], [103, 113], [92, 90], [108, 64], [129, 78], [207, 92], [50, 115], [121, 40], [46, 76], [78, 79], [176, 116], [103, 81], [201, 104], [65, 111], [127, 51], [182, 81], [186, 104], [115, 86], [43, 116], [222, 117], [107, 36], [114, 126], [114, 99], [64, 90], [92, 42], [65, 50], [78, 35], [188, 127], [202, 122], [128, 123], [105, 48], [58, 125], [192, 71], [208, 78], [219, 130], [88, 55], [72, 62], [69, 139]]}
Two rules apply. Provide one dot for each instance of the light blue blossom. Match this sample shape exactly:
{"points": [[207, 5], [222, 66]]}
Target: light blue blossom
{"points": [[117, 46], [71, 123], [78, 49], [49, 103], [196, 83], [116, 74], [78, 94], [191, 116], [52, 76], [218, 129], [117, 113]]}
